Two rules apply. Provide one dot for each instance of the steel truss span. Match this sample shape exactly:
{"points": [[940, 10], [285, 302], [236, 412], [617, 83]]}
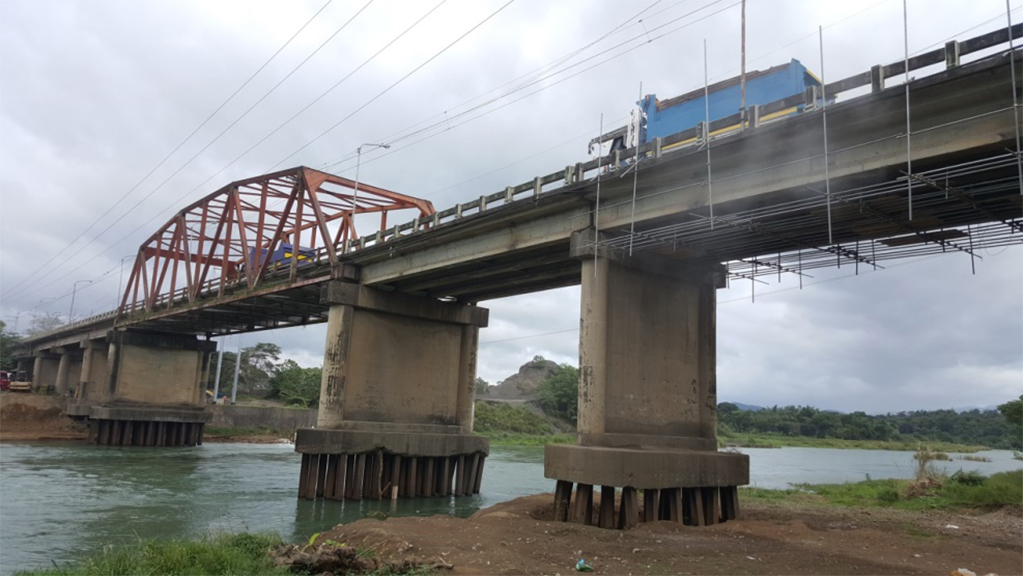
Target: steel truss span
{"points": [[253, 232]]}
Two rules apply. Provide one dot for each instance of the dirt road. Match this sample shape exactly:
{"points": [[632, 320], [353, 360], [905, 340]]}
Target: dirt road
{"points": [[518, 537]]}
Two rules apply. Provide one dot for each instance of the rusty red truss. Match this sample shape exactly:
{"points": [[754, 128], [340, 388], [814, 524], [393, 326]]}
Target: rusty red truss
{"points": [[270, 226]]}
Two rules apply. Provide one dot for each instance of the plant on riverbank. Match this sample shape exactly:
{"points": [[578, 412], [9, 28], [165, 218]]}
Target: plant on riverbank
{"points": [[732, 439], [214, 431], [232, 554], [511, 439], [971, 458], [491, 418], [962, 490]]}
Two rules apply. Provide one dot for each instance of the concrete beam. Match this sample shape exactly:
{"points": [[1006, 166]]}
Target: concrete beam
{"points": [[645, 469], [366, 298], [317, 441]]}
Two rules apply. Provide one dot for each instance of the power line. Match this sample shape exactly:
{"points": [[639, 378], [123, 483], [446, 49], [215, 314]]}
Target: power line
{"points": [[647, 40], [396, 83], [196, 155], [174, 202], [176, 148]]}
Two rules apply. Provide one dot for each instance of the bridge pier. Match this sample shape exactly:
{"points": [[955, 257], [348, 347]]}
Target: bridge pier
{"points": [[396, 400], [44, 371], [647, 399], [153, 393]]}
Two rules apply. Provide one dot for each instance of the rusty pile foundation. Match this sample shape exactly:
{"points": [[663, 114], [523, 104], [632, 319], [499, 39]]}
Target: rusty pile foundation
{"points": [[381, 474], [701, 506], [145, 433]]}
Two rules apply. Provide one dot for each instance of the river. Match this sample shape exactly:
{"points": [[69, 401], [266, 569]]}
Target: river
{"points": [[60, 501]]}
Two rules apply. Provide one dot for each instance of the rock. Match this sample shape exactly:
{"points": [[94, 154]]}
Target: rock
{"points": [[523, 385]]}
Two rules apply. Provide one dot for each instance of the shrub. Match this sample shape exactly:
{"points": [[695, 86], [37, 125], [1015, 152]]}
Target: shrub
{"points": [[490, 418], [558, 395], [971, 478]]}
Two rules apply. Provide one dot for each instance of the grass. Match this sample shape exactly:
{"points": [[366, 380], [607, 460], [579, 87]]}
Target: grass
{"points": [[240, 554], [513, 439], [968, 491], [244, 431], [773, 441], [233, 554], [510, 418]]}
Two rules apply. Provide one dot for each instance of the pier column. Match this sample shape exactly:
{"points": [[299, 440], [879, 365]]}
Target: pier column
{"points": [[63, 367], [93, 380], [647, 392], [44, 371], [396, 398], [153, 389]]}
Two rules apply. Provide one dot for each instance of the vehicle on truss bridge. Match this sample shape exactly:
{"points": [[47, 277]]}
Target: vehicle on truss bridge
{"points": [[656, 118]]}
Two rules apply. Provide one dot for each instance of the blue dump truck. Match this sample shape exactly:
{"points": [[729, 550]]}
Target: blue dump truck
{"points": [[659, 118], [282, 256]]}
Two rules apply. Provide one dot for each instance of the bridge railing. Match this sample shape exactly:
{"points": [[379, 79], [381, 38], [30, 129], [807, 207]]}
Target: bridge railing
{"points": [[810, 101], [686, 140]]}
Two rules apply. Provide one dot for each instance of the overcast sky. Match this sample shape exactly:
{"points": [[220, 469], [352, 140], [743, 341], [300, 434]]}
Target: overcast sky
{"points": [[94, 95]]}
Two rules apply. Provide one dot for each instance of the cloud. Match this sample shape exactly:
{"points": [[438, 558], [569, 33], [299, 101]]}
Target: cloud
{"points": [[96, 97]]}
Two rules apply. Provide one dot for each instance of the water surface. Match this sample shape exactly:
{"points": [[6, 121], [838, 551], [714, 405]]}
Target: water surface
{"points": [[61, 501]]}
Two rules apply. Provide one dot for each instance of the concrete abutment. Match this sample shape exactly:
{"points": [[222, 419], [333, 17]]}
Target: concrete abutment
{"points": [[647, 395], [396, 401]]}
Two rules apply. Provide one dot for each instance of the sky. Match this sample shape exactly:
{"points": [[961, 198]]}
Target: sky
{"points": [[116, 113]]}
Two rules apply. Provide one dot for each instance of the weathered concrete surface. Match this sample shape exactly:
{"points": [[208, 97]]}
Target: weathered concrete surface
{"points": [[156, 369], [139, 412], [396, 398], [44, 371], [397, 358], [316, 441], [647, 353], [647, 468]]}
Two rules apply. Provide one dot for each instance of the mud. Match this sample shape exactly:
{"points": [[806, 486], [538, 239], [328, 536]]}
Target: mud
{"points": [[519, 537]]}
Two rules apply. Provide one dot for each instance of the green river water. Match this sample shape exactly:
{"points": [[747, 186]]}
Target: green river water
{"points": [[60, 501]]}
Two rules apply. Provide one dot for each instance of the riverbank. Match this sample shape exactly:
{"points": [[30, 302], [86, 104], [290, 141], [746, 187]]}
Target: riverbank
{"points": [[29, 417], [770, 441], [785, 536]]}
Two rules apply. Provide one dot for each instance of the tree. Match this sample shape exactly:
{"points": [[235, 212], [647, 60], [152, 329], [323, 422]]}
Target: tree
{"points": [[44, 323], [558, 395], [481, 386], [1014, 411], [7, 341], [296, 385], [260, 363]]}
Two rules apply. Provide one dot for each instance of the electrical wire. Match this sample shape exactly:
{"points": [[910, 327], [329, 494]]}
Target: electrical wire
{"points": [[197, 154], [176, 148]]}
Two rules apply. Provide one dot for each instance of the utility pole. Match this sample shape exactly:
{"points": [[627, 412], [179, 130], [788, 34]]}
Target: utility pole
{"points": [[220, 362], [238, 363], [743, 60]]}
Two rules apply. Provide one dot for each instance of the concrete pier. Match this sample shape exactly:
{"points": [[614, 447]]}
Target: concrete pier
{"points": [[396, 400], [647, 395]]}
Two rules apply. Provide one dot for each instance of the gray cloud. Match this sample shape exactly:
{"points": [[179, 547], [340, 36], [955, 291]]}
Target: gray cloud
{"points": [[93, 95]]}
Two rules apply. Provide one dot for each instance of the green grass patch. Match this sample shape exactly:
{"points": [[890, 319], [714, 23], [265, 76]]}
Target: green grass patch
{"points": [[229, 555], [511, 418], [778, 441], [510, 439], [244, 431], [962, 490]]}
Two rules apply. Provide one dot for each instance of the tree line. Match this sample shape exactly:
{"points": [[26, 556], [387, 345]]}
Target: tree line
{"points": [[992, 428], [263, 373], [1001, 428]]}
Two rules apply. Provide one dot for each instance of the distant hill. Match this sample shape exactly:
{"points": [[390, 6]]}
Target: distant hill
{"points": [[742, 406], [523, 384]]}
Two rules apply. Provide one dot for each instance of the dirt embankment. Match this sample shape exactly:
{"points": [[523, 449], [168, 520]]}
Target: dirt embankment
{"points": [[36, 417], [518, 537]]}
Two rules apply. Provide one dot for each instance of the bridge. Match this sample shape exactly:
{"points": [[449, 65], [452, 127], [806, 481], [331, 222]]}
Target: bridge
{"points": [[863, 175]]}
